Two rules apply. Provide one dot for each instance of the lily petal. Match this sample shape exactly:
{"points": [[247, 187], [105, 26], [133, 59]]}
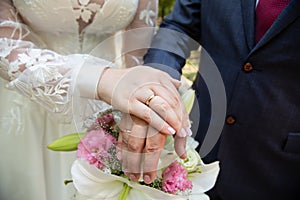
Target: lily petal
{"points": [[93, 183]]}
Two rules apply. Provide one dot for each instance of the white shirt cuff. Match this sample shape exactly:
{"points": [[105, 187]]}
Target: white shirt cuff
{"points": [[89, 73]]}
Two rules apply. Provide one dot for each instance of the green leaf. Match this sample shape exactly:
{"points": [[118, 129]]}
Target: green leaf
{"points": [[66, 143]]}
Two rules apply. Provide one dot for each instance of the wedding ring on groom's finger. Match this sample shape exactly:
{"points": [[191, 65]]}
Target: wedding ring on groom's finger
{"points": [[147, 102], [127, 131]]}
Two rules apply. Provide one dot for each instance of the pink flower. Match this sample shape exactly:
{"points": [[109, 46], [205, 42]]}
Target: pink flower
{"points": [[95, 147], [175, 179], [106, 121]]}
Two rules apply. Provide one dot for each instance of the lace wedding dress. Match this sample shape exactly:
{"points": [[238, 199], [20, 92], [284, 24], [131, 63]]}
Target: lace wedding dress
{"points": [[51, 51]]}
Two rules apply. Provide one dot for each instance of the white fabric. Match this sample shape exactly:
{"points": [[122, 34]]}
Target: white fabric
{"points": [[45, 59], [94, 184]]}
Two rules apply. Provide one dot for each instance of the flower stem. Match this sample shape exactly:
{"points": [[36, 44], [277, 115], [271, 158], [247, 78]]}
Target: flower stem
{"points": [[124, 193]]}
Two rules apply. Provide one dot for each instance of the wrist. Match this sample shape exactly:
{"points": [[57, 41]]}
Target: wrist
{"points": [[107, 83]]}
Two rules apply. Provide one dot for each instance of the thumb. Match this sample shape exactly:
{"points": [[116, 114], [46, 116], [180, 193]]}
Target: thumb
{"points": [[180, 146]]}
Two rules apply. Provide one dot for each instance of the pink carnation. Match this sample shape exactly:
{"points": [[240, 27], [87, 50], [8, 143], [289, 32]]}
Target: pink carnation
{"points": [[175, 179], [95, 146]]}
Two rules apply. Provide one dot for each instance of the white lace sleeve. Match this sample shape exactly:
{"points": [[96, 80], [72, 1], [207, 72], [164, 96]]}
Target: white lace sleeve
{"points": [[44, 76], [139, 33]]}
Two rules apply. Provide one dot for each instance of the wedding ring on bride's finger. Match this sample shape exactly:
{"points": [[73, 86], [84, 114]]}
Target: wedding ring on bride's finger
{"points": [[147, 102]]}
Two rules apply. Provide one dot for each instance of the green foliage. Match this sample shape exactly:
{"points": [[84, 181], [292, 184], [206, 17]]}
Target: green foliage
{"points": [[157, 184], [165, 7]]}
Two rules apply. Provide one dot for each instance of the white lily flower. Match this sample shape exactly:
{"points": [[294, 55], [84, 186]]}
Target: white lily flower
{"points": [[94, 184]]}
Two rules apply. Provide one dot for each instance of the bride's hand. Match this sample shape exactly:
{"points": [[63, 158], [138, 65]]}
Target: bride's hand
{"points": [[148, 94]]}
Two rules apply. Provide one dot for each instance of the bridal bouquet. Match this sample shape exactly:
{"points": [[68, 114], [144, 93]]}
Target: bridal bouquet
{"points": [[97, 171]]}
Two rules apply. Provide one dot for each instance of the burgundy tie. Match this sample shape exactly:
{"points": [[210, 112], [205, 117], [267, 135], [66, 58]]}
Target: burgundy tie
{"points": [[266, 13]]}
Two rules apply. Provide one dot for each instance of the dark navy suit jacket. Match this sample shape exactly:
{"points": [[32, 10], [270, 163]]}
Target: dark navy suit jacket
{"points": [[259, 150]]}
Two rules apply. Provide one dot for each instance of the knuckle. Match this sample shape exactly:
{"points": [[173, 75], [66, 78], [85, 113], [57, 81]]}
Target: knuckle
{"points": [[134, 147], [177, 102], [153, 146], [164, 106], [146, 115], [174, 105]]}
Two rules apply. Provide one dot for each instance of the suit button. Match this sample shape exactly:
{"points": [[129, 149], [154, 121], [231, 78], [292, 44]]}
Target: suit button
{"points": [[248, 67], [230, 120]]}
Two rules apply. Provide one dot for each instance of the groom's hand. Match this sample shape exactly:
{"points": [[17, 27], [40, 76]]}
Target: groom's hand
{"points": [[140, 146], [152, 97]]}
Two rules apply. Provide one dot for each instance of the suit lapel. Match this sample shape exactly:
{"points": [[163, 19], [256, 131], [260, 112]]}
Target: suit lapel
{"points": [[287, 16], [248, 11]]}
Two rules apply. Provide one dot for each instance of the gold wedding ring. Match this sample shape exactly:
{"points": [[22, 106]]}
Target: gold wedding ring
{"points": [[149, 99]]}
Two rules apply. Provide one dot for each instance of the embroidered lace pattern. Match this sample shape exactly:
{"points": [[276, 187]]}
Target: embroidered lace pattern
{"points": [[45, 78], [40, 74], [85, 11]]}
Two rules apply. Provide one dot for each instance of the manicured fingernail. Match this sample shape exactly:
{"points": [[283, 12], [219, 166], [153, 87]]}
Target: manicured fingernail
{"points": [[189, 123], [171, 130], [189, 132], [183, 156], [132, 177], [147, 179], [183, 132]]}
